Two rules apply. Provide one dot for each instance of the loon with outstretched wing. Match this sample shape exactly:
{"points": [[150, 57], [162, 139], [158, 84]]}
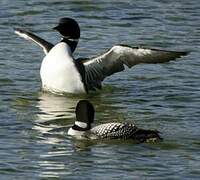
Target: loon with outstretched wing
{"points": [[61, 73]]}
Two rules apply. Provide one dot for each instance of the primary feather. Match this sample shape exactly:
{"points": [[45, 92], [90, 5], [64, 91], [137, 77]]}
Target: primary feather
{"points": [[47, 46]]}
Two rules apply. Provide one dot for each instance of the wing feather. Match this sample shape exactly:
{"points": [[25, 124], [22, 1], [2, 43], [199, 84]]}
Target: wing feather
{"points": [[113, 61], [38, 40]]}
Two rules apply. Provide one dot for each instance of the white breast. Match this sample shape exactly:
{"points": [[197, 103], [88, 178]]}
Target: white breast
{"points": [[76, 133], [58, 72]]}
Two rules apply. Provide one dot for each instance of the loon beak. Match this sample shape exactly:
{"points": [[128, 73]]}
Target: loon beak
{"points": [[56, 27]]}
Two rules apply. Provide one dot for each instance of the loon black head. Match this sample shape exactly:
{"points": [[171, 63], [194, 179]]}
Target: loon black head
{"points": [[84, 115], [70, 31]]}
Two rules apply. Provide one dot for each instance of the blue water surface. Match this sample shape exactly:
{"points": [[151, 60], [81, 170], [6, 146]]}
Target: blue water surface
{"points": [[33, 124]]}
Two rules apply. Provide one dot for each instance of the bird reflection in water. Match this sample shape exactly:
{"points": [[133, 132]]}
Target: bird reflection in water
{"points": [[54, 112]]}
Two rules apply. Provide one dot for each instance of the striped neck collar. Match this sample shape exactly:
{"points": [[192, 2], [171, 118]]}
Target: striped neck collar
{"points": [[81, 126], [71, 42]]}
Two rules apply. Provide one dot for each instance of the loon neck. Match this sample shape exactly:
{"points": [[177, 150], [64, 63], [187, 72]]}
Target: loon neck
{"points": [[81, 126], [78, 128], [71, 43]]}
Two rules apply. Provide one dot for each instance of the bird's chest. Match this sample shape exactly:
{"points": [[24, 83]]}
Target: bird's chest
{"points": [[59, 73]]}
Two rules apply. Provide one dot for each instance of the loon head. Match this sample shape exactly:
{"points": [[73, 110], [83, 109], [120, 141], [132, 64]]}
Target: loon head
{"points": [[84, 116], [70, 31]]}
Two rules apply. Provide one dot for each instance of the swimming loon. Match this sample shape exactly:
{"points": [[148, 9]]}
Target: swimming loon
{"points": [[114, 130], [60, 72]]}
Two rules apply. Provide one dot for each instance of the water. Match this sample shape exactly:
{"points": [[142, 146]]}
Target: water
{"points": [[33, 124]]}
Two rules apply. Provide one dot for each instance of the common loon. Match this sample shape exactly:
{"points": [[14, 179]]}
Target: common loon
{"points": [[61, 73], [82, 128]]}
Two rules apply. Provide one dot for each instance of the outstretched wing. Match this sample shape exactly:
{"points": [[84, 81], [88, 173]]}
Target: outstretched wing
{"points": [[98, 68], [39, 41]]}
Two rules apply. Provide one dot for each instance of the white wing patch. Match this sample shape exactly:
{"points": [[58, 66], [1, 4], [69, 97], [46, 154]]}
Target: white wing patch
{"points": [[142, 52], [22, 35], [122, 50]]}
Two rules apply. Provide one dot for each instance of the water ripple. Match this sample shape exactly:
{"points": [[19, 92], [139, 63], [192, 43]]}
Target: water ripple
{"points": [[34, 142]]}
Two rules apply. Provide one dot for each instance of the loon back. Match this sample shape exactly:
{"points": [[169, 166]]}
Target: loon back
{"points": [[124, 131]]}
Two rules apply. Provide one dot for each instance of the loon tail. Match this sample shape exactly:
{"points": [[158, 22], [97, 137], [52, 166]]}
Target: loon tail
{"points": [[142, 135]]}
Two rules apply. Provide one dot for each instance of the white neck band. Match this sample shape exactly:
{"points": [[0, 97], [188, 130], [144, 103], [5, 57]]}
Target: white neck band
{"points": [[73, 40], [81, 124]]}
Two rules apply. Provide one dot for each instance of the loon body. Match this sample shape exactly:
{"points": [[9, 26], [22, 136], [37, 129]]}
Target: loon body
{"points": [[84, 74], [85, 116], [57, 68]]}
